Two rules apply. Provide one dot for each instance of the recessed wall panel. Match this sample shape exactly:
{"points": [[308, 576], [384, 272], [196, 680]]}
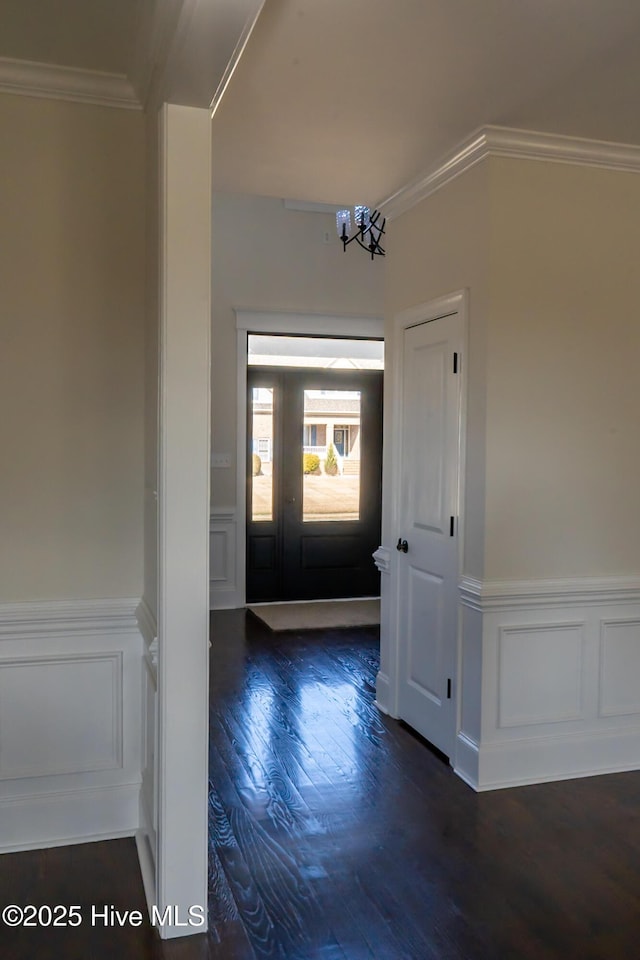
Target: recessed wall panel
{"points": [[619, 668], [540, 674], [73, 724]]}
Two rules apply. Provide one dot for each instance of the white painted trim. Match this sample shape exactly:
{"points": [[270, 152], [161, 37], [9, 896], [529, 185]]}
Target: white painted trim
{"points": [[296, 324], [382, 559], [147, 868], [453, 303], [309, 324], [147, 623], [524, 594], [223, 515], [225, 592], [58, 818], [466, 760], [54, 82], [242, 352], [382, 693], [112, 658], [561, 730], [89, 796], [50, 618], [494, 141], [569, 756], [184, 497]]}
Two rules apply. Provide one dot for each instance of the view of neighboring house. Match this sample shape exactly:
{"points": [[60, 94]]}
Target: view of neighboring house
{"points": [[330, 417]]}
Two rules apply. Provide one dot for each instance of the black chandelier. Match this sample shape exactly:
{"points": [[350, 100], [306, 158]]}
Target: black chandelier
{"points": [[369, 229]]}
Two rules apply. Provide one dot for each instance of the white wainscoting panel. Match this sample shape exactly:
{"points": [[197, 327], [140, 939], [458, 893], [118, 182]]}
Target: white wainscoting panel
{"points": [[619, 668], [385, 698], [70, 722], [553, 666], [49, 740], [225, 590], [528, 691]]}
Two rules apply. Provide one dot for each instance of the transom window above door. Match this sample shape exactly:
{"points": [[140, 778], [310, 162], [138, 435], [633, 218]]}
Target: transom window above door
{"points": [[319, 352]]}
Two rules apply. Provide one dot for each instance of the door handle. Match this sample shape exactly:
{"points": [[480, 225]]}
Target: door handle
{"points": [[402, 545], [291, 500]]}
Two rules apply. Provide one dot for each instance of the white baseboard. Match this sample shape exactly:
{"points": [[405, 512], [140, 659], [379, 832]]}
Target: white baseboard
{"points": [[70, 722], [544, 759], [147, 869], [465, 762], [382, 693], [553, 667], [41, 820]]}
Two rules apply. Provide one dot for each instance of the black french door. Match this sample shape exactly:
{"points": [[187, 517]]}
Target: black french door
{"points": [[314, 483]]}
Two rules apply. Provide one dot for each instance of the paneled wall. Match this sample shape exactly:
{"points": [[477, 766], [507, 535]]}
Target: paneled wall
{"points": [[559, 674], [69, 722]]}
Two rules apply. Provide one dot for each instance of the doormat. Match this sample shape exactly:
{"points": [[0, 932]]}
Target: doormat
{"points": [[318, 615]]}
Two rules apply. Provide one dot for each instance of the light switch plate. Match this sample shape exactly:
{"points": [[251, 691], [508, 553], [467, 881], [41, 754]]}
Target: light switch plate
{"points": [[220, 460]]}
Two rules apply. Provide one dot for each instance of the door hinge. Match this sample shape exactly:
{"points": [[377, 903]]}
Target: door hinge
{"points": [[452, 526], [449, 688], [455, 363]]}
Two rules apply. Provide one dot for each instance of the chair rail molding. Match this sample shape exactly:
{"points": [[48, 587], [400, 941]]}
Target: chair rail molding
{"points": [[548, 677]]}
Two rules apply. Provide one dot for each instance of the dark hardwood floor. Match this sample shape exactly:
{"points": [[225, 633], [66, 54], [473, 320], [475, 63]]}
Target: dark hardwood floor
{"points": [[335, 833]]}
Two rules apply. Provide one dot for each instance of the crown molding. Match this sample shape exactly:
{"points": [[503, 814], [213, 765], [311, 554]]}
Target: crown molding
{"points": [[66, 83], [492, 141]]}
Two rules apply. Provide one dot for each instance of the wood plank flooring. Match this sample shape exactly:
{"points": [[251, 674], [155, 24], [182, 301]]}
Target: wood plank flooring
{"points": [[338, 835]]}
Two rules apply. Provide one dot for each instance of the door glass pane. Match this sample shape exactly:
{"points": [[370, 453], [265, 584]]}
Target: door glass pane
{"points": [[262, 460], [331, 455]]}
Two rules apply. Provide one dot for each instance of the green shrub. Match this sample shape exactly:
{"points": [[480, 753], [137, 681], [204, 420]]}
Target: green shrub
{"points": [[331, 463], [310, 463], [257, 466]]}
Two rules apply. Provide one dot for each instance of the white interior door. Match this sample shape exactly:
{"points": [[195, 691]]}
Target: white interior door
{"points": [[428, 528]]}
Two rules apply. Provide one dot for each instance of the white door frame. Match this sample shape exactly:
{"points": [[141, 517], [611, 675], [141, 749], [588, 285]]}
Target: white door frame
{"points": [[389, 676], [292, 324]]}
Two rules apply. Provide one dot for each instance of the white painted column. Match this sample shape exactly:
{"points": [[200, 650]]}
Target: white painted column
{"points": [[183, 607]]}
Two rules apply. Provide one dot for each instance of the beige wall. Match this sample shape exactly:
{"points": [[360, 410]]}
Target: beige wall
{"points": [[563, 417], [71, 358], [549, 254], [439, 247], [266, 257]]}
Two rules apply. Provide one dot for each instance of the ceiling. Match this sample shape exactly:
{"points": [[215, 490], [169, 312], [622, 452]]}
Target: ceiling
{"points": [[348, 100], [84, 34]]}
